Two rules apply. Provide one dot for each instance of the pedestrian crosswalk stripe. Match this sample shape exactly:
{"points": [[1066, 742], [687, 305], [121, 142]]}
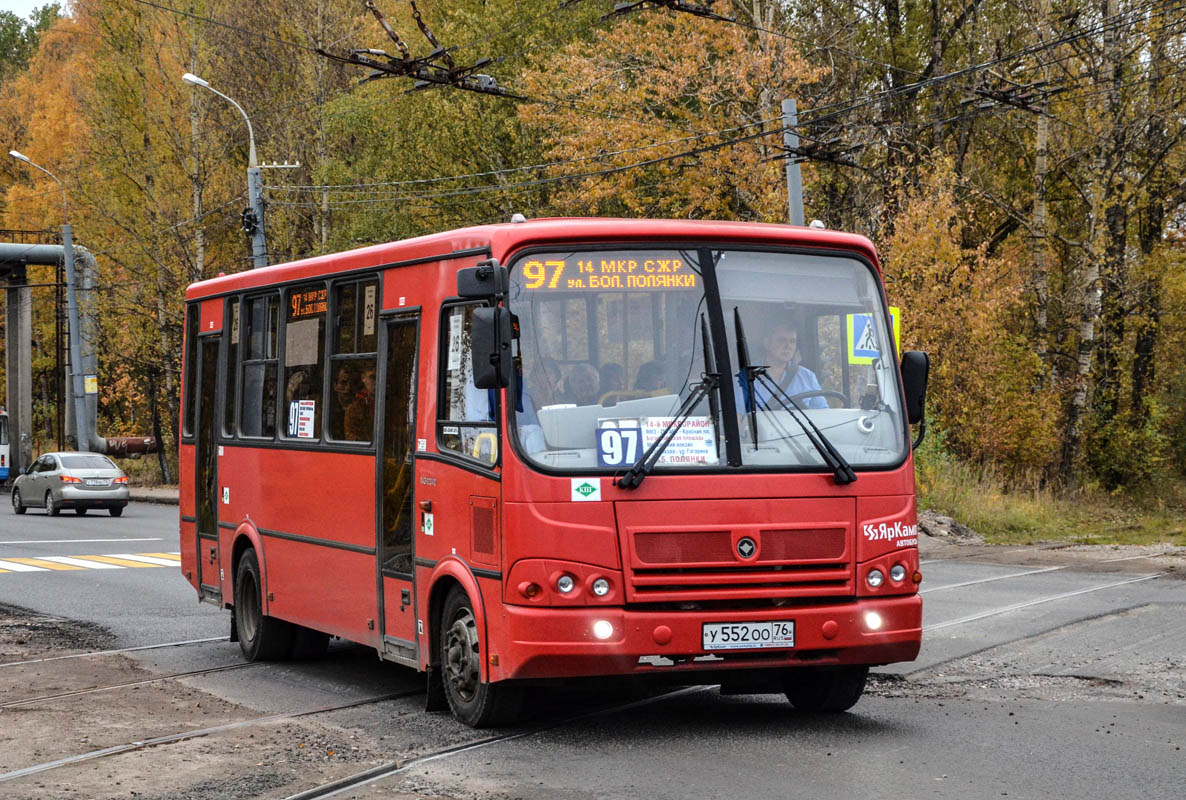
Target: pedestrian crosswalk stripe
{"points": [[147, 559], [119, 562], [89, 561], [41, 562], [78, 562], [14, 566], [174, 557]]}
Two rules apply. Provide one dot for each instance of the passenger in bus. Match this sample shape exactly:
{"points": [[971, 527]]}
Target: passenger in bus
{"points": [[360, 416], [780, 354], [346, 386], [612, 377], [580, 385], [650, 377]]}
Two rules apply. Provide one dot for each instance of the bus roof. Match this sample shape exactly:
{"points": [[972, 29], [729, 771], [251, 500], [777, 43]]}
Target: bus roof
{"points": [[503, 238]]}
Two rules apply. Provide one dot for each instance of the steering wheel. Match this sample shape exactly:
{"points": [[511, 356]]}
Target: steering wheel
{"points": [[822, 393]]}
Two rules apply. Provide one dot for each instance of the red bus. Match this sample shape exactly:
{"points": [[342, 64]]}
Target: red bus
{"points": [[561, 448]]}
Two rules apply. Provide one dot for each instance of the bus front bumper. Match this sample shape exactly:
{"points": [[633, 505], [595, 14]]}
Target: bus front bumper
{"points": [[564, 642]]}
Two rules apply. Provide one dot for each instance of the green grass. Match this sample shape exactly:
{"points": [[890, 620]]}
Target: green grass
{"points": [[979, 499]]}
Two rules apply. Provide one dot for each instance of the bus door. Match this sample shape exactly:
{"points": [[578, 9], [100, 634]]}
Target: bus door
{"points": [[395, 480], [206, 468]]}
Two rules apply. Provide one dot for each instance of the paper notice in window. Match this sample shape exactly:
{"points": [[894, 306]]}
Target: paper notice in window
{"points": [[301, 342], [693, 443], [455, 323], [301, 414], [368, 310]]}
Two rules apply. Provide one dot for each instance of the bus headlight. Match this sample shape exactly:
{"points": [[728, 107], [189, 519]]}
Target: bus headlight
{"points": [[897, 573], [873, 620], [602, 629], [564, 584], [601, 587], [874, 578]]}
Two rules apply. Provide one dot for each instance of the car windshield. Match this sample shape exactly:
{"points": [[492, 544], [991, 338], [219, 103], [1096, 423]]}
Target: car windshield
{"points": [[87, 462], [611, 342]]}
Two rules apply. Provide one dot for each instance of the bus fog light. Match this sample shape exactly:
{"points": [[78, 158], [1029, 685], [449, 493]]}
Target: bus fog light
{"points": [[602, 629], [897, 573], [601, 587], [564, 584], [872, 620], [874, 578]]}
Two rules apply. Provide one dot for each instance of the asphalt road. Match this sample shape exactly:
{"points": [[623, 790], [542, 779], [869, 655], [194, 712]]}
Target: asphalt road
{"points": [[1038, 679], [139, 604]]}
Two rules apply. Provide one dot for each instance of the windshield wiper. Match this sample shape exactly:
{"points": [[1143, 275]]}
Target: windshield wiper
{"points": [[842, 471], [709, 381]]}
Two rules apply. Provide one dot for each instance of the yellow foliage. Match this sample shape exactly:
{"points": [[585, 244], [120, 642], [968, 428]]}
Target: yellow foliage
{"points": [[690, 77], [986, 392]]}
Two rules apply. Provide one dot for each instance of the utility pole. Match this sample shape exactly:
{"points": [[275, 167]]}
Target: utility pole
{"points": [[253, 215], [790, 140]]}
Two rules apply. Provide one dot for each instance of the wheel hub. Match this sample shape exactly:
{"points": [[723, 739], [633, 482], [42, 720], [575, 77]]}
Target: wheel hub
{"points": [[462, 659]]}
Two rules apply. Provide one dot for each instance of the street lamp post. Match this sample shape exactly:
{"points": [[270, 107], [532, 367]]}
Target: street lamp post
{"points": [[78, 391], [253, 218]]}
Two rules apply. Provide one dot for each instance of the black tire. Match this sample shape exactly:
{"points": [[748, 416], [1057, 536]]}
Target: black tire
{"points": [[308, 644], [460, 647], [261, 638], [826, 690], [17, 506], [51, 507], [80, 511], [116, 511]]}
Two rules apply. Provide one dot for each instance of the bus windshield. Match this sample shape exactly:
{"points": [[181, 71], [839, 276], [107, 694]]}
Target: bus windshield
{"points": [[611, 342]]}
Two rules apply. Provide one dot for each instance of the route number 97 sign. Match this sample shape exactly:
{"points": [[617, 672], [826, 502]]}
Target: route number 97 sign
{"points": [[618, 447]]}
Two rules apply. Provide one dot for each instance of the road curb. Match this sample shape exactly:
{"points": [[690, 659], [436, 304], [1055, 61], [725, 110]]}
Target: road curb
{"points": [[163, 495]]}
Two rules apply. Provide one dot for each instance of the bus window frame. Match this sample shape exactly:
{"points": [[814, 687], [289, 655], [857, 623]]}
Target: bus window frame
{"points": [[247, 298], [193, 322], [333, 359], [496, 425], [514, 257], [282, 368], [231, 303]]}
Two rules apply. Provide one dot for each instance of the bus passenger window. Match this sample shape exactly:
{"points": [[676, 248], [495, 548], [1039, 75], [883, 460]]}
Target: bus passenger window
{"points": [[304, 360], [466, 421], [232, 368], [191, 367], [259, 367], [352, 363]]}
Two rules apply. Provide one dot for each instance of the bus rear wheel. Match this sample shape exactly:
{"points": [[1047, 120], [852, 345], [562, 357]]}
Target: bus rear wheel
{"points": [[475, 702], [827, 690], [261, 638]]}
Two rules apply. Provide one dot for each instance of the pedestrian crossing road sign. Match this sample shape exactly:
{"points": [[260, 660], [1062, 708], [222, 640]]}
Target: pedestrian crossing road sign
{"points": [[864, 338]]}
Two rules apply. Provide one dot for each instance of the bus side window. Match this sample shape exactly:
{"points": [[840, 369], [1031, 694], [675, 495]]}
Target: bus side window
{"points": [[304, 360], [355, 341], [231, 345], [259, 366], [192, 320], [466, 415]]}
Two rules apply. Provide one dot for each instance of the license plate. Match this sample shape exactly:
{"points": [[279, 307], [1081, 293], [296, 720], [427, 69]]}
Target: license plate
{"points": [[97, 482], [748, 635]]}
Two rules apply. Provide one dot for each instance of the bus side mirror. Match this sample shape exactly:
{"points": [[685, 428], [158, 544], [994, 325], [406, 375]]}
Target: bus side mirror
{"points": [[490, 346], [915, 367], [487, 279]]}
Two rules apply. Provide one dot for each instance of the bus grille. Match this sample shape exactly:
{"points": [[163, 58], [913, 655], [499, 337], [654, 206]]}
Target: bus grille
{"points": [[676, 566]]}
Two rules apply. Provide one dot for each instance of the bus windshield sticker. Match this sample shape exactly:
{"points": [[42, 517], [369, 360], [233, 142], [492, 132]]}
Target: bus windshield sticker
{"points": [[368, 310], [693, 443], [301, 342], [450, 430], [586, 489], [599, 274], [301, 414], [455, 323]]}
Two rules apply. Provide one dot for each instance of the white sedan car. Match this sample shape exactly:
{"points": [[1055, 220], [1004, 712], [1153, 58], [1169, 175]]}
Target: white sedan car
{"points": [[81, 481]]}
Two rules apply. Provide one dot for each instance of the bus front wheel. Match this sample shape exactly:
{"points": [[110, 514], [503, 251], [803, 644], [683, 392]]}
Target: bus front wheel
{"points": [[261, 638], [475, 702], [828, 690]]}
